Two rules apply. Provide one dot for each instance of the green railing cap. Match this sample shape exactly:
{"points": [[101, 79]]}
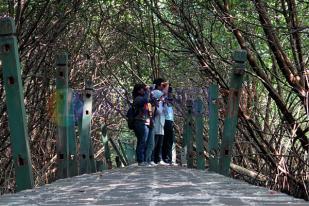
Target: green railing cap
{"points": [[198, 105], [62, 58], [7, 26], [239, 55], [88, 85]]}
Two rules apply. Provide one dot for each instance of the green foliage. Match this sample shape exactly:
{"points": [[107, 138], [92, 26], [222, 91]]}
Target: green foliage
{"points": [[118, 43]]}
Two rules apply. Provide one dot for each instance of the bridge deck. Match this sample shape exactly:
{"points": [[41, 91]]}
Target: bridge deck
{"points": [[150, 186]]}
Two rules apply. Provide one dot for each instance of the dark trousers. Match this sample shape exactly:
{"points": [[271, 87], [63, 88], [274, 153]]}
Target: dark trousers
{"points": [[168, 141], [141, 132], [157, 153]]}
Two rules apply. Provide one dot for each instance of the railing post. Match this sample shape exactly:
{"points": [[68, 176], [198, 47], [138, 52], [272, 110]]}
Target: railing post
{"points": [[15, 104], [84, 130], [108, 158], [73, 165], [91, 158], [199, 129], [117, 151], [184, 147], [62, 120], [123, 152], [129, 149], [213, 145], [99, 165], [89, 89], [118, 162], [107, 153], [231, 118], [188, 135]]}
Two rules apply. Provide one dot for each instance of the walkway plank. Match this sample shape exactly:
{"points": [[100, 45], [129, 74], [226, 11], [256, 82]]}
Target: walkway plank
{"points": [[149, 186]]}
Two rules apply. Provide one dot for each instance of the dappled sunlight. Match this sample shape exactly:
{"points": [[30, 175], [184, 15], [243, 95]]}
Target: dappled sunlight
{"points": [[148, 186]]}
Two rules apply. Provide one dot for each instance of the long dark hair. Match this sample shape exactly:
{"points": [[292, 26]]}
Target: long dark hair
{"points": [[158, 82], [136, 89]]}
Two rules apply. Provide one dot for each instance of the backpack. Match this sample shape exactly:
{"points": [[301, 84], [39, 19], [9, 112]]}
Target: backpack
{"points": [[131, 117]]}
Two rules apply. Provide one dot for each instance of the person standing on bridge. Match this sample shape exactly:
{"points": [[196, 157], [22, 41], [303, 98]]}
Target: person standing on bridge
{"points": [[142, 120], [159, 119], [169, 137], [150, 139]]}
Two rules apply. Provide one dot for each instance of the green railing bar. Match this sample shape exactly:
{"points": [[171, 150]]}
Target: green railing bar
{"points": [[189, 133], [129, 148], [73, 160], [91, 158], [213, 144], [123, 152], [11, 70], [62, 121], [117, 152], [231, 118], [199, 128], [89, 89], [100, 165], [107, 152], [84, 131]]}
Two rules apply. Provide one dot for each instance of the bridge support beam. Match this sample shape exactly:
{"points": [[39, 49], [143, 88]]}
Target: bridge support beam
{"points": [[187, 149], [121, 159], [124, 154], [130, 151], [99, 165], [93, 166], [108, 158], [73, 160], [199, 129], [62, 115], [15, 104], [231, 118], [84, 131], [107, 153], [213, 144]]}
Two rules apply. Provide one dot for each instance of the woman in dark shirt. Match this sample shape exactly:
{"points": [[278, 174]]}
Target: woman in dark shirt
{"points": [[142, 120]]}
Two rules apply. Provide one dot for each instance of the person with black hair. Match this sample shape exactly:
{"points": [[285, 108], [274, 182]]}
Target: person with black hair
{"points": [[160, 84], [159, 119], [169, 137], [142, 121]]}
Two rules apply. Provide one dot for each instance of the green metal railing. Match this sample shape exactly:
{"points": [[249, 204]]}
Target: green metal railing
{"points": [[219, 155], [213, 144], [70, 161], [11, 70], [86, 153], [62, 115], [73, 157], [231, 118]]}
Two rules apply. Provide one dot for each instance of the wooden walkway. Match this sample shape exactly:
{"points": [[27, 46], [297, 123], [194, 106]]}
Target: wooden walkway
{"points": [[149, 186]]}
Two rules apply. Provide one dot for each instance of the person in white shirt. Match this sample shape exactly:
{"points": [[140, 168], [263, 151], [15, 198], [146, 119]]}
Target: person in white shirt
{"points": [[159, 119]]}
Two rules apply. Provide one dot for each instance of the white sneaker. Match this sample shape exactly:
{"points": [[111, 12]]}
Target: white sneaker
{"points": [[152, 163], [162, 163], [173, 164]]}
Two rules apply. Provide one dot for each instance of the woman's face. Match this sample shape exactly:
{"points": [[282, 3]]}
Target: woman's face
{"points": [[141, 91]]}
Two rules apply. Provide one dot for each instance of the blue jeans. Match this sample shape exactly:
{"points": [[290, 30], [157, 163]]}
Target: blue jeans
{"points": [[149, 145], [141, 132]]}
